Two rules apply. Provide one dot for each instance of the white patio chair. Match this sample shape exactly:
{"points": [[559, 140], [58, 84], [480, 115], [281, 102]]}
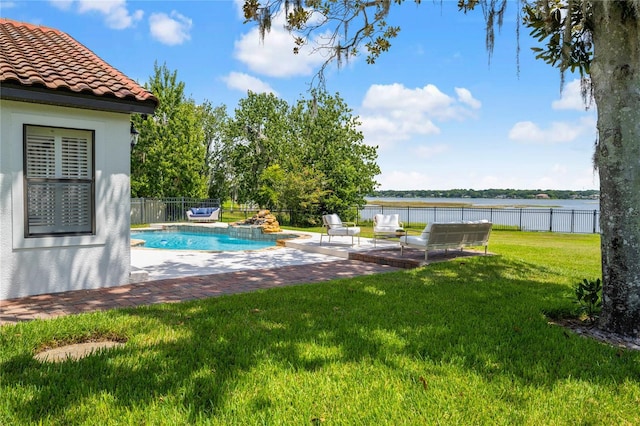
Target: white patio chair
{"points": [[334, 226], [387, 225]]}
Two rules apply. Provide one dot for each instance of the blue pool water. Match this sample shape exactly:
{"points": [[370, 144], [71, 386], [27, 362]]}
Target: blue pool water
{"points": [[195, 241]]}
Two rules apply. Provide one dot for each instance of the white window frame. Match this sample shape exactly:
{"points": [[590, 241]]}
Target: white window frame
{"points": [[59, 181]]}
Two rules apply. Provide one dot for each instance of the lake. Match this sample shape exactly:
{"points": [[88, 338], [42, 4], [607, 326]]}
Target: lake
{"points": [[502, 202]]}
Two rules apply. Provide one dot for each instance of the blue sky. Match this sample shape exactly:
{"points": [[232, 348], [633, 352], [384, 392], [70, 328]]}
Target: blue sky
{"points": [[442, 116]]}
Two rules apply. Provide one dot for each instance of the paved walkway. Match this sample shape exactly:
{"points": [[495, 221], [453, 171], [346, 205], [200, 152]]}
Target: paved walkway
{"points": [[180, 289]]}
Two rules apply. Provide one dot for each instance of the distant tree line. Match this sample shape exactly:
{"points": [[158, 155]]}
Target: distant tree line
{"points": [[488, 193]]}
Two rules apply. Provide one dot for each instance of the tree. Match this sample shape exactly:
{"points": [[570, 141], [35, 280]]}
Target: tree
{"points": [[170, 159], [598, 39], [215, 123], [299, 189], [257, 139], [307, 159], [329, 139]]}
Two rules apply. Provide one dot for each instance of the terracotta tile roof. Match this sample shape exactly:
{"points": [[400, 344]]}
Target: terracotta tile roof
{"points": [[37, 56]]}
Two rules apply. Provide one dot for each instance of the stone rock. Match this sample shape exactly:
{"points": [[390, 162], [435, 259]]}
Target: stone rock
{"points": [[264, 219]]}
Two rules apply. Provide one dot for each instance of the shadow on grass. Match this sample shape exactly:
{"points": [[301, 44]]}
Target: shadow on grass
{"points": [[483, 315]]}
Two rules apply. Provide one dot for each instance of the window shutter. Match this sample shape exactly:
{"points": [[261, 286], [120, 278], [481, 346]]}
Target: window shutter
{"points": [[41, 156], [75, 157], [59, 181], [75, 206], [42, 205]]}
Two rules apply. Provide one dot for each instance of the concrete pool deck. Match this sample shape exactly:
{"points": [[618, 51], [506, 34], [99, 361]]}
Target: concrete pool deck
{"points": [[158, 264]]}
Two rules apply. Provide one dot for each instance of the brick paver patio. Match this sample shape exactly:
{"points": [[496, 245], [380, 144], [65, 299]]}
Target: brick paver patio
{"points": [[179, 289]]}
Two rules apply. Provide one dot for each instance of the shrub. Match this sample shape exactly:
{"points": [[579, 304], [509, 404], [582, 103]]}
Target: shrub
{"points": [[589, 297]]}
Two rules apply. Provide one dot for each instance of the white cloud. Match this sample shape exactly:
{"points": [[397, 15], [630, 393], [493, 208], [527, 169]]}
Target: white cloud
{"points": [[394, 113], [464, 96], [115, 12], [526, 131], [243, 82], [385, 132], [571, 98], [274, 55], [396, 97], [170, 29], [558, 132]]}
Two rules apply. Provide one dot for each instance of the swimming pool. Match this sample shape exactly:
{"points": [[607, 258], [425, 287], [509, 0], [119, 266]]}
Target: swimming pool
{"points": [[189, 239]]}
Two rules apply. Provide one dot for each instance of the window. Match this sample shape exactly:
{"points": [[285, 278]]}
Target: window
{"points": [[59, 181]]}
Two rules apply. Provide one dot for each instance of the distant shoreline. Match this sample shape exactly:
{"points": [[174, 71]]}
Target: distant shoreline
{"points": [[386, 203], [416, 204], [519, 194]]}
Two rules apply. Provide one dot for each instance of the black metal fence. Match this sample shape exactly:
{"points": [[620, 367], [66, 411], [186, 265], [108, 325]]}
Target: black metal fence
{"points": [[524, 219], [148, 210], [153, 210]]}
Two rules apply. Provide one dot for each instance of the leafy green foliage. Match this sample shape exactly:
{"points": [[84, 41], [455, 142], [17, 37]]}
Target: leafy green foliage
{"points": [[589, 297], [298, 190], [170, 159], [330, 141], [566, 28], [309, 158], [306, 159], [215, 123], [257, 138]]}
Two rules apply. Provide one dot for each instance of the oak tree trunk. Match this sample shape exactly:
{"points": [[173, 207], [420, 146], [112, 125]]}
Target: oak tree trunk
{"points": [[615, 74]]}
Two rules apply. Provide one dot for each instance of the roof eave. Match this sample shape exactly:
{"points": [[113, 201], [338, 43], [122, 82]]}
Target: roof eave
{"points": [[75, 100]]}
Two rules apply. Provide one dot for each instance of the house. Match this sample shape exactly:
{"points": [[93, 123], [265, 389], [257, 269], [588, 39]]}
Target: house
{"points": [[65, 139]]}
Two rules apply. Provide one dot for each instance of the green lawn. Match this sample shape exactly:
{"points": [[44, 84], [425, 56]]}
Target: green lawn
{"points": [[463, 342]]}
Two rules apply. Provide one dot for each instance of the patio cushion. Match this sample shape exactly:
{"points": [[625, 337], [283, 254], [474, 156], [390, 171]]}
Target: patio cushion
{"points": [[414, 240], [352, 230], [333, 220], [386, 223], [425, 232], [202, 211]]}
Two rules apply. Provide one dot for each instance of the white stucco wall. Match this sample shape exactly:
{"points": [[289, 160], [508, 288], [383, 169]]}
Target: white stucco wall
{"points": [[30, 266]]}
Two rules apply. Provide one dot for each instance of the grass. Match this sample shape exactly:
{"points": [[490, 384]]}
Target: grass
{"points": [[461, 342], [139, 225]]}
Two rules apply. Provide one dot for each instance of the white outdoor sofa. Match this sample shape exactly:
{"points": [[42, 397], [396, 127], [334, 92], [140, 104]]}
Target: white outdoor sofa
{"points": [[203, 214], [387, 225], [445, 236], [334, 226]]}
